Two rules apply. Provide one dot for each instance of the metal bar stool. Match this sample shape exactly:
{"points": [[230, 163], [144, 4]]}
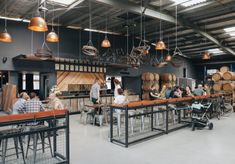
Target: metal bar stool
{"points": [[35, 137], [4, 143]]}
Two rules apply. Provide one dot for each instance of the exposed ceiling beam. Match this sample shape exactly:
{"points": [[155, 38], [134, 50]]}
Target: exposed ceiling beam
{"points": [[68, 9], [124, 4]]}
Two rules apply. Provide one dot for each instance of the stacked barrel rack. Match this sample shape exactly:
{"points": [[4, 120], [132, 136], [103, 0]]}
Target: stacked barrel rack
{"points": [[149, 79], [224, 81], [168, 79]]}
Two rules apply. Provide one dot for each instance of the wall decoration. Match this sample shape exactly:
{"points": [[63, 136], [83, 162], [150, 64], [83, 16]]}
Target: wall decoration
{"points": [[71, 67], [81, 68], [57, 66], [61, 67]]}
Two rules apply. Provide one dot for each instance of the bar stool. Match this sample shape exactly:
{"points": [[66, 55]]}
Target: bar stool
{"points": [[4, 143], [118, 115], [35, 137]]}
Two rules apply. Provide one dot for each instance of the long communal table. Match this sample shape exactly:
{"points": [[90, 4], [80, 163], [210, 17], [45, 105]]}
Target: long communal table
{"points": [[166, 107]]}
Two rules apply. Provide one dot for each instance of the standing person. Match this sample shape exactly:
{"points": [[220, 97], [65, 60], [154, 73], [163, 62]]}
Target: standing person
{"points": [[54, 102], [95, 92], [20, 103], [117, 85], [33, 105]]}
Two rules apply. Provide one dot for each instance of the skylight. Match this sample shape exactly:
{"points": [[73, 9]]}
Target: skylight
{"points": [[215, 51], [230, 31], [64, 2], [187, 3]]}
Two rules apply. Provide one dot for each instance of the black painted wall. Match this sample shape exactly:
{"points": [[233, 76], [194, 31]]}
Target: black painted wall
{"points": [[70, 45]]}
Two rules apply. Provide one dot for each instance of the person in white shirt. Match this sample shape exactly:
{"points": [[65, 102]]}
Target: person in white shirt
{"points": [[120, 98], [117, 86]]}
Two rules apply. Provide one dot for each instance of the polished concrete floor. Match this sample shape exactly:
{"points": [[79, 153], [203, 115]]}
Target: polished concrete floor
{"points": [[90, 145]]}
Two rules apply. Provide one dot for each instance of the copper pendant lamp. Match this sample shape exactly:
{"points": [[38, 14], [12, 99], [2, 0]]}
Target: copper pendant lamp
{"points": [[168, 58], [5, 36], [106, 43], [206, 56], [52, 36], [37, 23], [160, 45]]}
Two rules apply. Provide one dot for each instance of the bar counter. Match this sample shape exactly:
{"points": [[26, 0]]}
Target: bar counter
{"points": [[75, 103]]}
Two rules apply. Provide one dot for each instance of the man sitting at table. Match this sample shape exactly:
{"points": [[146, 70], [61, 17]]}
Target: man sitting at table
{"points": [[199, 91], [33, 105]]}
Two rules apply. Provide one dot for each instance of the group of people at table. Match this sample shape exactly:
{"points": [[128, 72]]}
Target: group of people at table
{"points": [[167, 91], [31, 103]]}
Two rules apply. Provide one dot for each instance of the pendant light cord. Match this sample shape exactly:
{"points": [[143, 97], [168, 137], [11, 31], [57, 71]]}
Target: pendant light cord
{"points": [[106, 25], [141, 21], [52, 20], [127, 34], [58, 44], [90, 21], [5, 13], [176, 30], [160, 20]]}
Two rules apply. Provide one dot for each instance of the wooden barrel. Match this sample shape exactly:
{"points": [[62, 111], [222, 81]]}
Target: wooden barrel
{"points": [[149, 77], [143, 76], [228, 86], [217, 87], [145, 96], [173, 77], [166, 77], [217, 76], [156, 77], [147, 85], [224, 69], [229, 75]]}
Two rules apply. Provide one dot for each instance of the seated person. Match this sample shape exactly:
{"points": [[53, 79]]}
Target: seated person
{"points": [[177, 93], [199, 91], [207, 89], [54, 102], [188, 92], [120, 98], [19, 104], [33, 105], [153, 93], [168, 91]]}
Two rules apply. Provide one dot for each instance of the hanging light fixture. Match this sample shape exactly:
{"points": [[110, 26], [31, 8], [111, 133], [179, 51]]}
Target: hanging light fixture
{"points": [[160, 45], [106, 43], [206, 56], [5, 36], [52, 36], [37, 23], [168, 56]]}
